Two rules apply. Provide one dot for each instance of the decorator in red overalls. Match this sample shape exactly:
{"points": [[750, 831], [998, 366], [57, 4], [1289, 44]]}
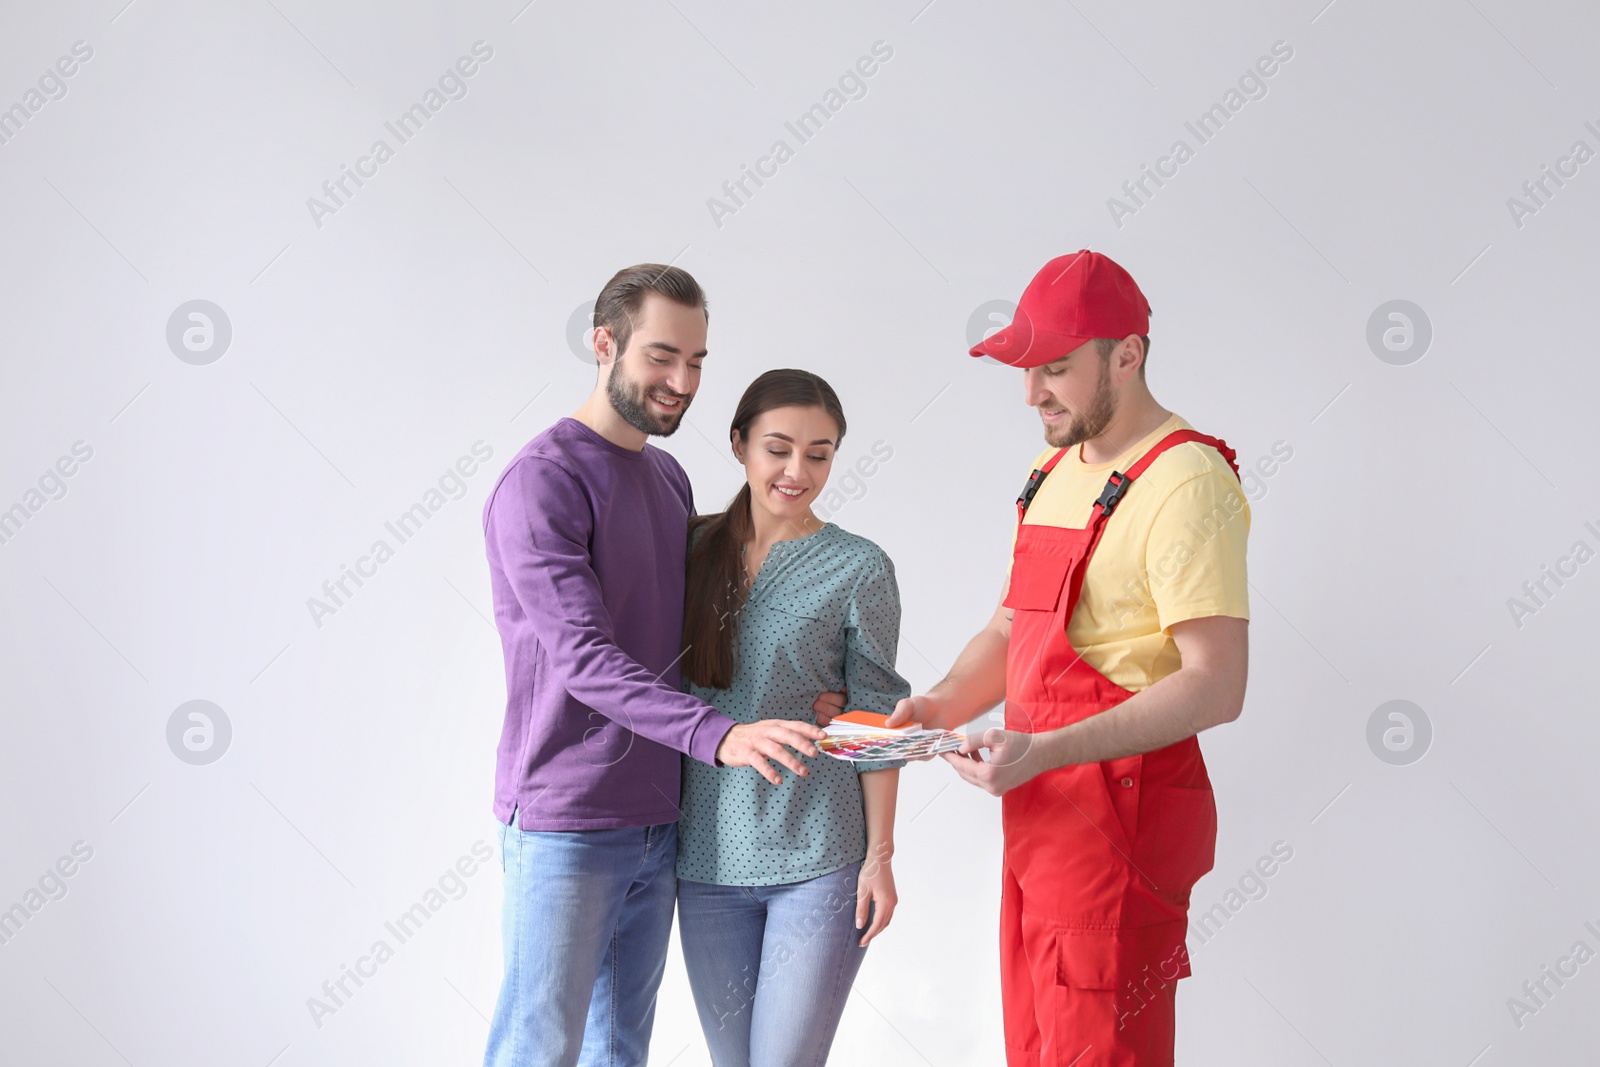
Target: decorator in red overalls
{"points": [[1121, 634]]}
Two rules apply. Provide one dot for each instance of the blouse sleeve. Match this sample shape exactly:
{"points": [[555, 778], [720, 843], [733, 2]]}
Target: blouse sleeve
{"points": [[872, 642]]}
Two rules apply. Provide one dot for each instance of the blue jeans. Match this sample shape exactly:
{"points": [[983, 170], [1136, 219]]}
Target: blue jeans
{"points": [[771, 966], [586, 921]]}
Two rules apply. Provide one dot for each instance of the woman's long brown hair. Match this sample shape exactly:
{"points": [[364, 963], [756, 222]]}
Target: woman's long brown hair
{"points": [[715, 590]]}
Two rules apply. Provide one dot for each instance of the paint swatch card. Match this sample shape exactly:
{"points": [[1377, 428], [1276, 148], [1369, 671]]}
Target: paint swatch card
{"points": [[861, 735]]}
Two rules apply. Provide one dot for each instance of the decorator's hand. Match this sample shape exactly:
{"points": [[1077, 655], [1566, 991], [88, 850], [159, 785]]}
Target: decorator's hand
{"points": [[1014, 758], [926, 710]]}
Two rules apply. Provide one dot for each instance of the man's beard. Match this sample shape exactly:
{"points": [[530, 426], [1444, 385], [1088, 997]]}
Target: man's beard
{"points": [[630, 399], [1091, 422]]}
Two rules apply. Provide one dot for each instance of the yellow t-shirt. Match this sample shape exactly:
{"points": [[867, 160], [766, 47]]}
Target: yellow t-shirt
{"points": [[1173, 549]]}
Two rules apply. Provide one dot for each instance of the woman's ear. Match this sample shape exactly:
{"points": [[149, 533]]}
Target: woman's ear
{"points": [[737, 443]]}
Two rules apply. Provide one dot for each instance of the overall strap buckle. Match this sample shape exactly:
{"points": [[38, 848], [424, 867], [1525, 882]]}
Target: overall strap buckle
{"points": [[1111, 495], [1035, 480]]}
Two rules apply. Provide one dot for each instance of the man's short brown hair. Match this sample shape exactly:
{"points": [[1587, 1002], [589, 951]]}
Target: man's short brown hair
{"points": [[1107, 345], [617, 307]]}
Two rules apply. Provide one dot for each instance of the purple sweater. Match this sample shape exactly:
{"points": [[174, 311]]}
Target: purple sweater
{"points": [[586, 543]]}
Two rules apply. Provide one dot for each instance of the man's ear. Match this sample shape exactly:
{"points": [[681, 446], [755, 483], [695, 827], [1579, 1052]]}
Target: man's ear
{"points": [[1131, 348], [604, 346]]}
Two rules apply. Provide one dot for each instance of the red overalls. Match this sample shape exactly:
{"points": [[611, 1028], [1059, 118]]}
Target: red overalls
{"points": [[1099, 857]]}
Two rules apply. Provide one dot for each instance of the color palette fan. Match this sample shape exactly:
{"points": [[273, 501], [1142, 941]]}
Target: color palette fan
{"points": [[861, 735]]}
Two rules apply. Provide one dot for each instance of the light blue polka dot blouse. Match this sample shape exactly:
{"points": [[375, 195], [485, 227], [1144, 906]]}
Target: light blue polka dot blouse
{"points": [[824, 615]]}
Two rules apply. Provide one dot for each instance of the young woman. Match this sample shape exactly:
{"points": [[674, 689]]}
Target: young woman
{"points": [[781, 887]]}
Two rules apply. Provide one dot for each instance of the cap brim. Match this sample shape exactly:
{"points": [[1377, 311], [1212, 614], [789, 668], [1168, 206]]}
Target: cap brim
{"points": [[1018, 345]]}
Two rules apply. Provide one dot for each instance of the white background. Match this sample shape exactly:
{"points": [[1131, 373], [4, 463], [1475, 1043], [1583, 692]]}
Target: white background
{"points": [[432, 310]]}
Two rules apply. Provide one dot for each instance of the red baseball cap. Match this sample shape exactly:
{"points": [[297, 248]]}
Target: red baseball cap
{"points": [[1074, 299]]}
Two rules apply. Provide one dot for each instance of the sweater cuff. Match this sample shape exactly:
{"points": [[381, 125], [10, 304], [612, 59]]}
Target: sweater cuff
{"points": [[707, 737]]}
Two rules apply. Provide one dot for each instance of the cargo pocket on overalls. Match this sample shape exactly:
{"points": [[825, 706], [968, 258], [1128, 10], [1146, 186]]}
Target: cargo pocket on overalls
{"points": [[1115, 994], [1114, 959], [1088, 959]]}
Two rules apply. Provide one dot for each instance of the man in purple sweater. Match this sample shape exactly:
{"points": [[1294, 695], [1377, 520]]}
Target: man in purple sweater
{"points": [[586, 533]]}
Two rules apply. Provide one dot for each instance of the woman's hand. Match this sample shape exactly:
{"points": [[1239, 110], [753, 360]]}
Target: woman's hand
{"points": [[875, 889], [828, 706]]}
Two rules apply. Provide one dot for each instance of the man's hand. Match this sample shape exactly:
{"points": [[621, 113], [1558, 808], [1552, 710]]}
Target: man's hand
{"points": [[975, 683], [926, 710], [751, 744], [1014, 758], [827, 706]]}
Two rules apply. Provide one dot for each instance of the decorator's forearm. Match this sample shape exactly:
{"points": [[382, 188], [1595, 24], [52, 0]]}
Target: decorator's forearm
{"points": [[1178, 706]]}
